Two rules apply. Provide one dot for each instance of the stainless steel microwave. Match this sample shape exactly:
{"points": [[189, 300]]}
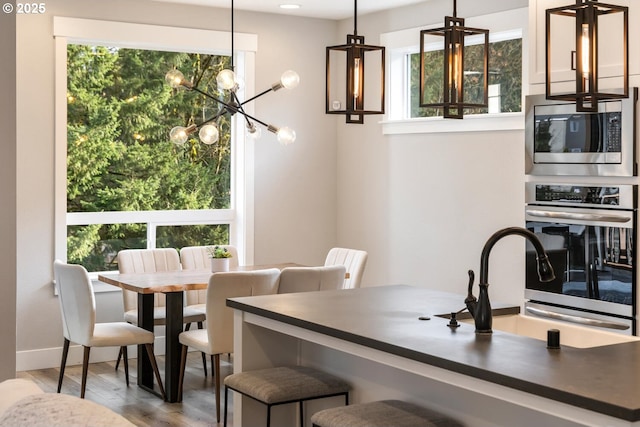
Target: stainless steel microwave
{"points": [[561, 141]]}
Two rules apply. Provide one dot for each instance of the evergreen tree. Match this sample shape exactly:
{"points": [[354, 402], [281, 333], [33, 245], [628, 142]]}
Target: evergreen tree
{"points": [[119, 157]]}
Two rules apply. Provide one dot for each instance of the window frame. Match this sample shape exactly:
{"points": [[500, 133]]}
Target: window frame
{"points": [[400, 44], [239, 216]]}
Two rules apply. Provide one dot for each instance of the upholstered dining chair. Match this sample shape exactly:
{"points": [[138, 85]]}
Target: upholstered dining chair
{"points": [[217, 338], [197, 258], [307, 279], [78, 308], [354, 260], [149, 261]]}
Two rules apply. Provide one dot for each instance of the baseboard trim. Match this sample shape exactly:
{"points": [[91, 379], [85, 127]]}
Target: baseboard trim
{"points": [[44, 358]]}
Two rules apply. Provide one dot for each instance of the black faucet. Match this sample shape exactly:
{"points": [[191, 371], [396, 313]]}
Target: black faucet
{"points": [[480, 308]]}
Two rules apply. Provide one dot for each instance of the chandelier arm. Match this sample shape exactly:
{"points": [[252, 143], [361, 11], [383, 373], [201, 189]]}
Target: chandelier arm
{"points": [[231, 108], [239, 108], [257, 96]]}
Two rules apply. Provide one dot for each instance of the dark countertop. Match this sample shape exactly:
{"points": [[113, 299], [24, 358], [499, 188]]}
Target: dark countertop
{"points": [[602, 379]]}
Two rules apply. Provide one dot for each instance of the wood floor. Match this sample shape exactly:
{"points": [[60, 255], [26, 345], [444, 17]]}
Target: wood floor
{"points": [[107, 387]]}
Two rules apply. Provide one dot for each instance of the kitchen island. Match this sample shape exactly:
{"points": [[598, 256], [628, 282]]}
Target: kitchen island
{"points": [[374, 338]]}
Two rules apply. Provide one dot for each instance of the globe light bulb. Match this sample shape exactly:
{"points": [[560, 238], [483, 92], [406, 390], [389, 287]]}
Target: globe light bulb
{"points": [[174, 78], [226, 79], [253, 131], [290, 79], [179, 135], [208, 134], [286, 135]]}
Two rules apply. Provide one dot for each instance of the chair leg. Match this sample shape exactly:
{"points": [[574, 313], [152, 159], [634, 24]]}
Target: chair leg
{"points": [[216, 374], [226, 401], [63, 363], [119, 358], [125, 361], [85, 367], [204, 355], [154, 365], [183, 364]]}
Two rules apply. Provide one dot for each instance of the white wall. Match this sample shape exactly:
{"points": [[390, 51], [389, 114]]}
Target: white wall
{"points": [[423, 205], [294, 185]]}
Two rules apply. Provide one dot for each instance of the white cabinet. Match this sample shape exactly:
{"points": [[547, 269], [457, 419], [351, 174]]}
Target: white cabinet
{"points": [[610, 47]]}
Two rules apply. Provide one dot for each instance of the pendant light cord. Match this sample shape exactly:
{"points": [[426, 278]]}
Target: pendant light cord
{"points": [[355, 17], [455, 8], [232, 37]]}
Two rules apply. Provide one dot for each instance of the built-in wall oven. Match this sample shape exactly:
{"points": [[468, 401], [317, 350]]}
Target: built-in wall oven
{"points": [[588, 231], [562, 141]]}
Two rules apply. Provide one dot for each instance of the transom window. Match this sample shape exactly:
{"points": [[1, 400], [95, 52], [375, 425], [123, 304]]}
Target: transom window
{"points": [[506, 39]]}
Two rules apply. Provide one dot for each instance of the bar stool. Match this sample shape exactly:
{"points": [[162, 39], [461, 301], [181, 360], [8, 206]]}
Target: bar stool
{"points": [[382, 413], [286, 384]]}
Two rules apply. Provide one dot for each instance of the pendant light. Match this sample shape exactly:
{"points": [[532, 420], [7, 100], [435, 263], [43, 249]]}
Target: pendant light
{"points": [[348, 96], [228, 81], [587, 18], [454, 34]]}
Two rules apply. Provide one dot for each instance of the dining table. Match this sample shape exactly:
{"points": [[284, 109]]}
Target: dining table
{"points": [[172, 284]]}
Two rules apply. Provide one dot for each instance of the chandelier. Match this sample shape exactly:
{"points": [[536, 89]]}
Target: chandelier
{"points": [[228, 81]]}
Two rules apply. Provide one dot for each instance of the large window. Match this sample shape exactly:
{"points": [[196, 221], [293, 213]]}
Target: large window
{"points": [[120, 182], [119, 158]]}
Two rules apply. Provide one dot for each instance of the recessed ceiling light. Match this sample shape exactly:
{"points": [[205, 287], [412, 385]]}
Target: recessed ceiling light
{"points": [[289, 6]]}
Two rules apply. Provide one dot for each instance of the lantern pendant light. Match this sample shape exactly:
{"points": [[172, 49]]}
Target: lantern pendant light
{"points": [[586, 17], [454, 34], [348, 96]]}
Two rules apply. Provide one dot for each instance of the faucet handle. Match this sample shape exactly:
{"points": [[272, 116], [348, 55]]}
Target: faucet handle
{"points": [[471, 301], [472, 277]]}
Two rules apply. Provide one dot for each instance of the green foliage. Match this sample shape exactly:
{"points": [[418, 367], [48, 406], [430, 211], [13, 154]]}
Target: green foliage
{"points": [[119, 157], [505, 68]]}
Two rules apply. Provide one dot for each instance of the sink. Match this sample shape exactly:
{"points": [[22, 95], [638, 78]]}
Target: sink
{"points": [[570, 335]]}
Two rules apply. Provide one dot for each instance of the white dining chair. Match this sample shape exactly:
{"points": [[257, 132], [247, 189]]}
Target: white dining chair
{"points": [[149, 261], [197, 258], [78, 308], [354, 261], [217, 338], [308, 279]]}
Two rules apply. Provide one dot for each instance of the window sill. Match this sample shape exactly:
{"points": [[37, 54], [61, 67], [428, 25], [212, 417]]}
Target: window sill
{"points": [[472, 123]]}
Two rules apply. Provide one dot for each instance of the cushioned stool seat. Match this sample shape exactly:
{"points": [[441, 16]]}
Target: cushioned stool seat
{"points": [[287, 384], [383, 413]]}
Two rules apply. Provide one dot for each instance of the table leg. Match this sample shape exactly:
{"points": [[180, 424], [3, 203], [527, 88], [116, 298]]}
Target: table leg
{"points": [[172, 351], [145, 321]]}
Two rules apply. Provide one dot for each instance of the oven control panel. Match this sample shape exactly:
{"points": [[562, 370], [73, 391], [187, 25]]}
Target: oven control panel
{"points": [[610, 196]]}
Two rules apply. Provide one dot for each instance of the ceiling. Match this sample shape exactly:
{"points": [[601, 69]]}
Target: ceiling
{"points": [[327, 9]]}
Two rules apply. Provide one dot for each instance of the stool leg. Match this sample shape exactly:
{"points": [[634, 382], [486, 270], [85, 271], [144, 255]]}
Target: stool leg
{"points": [[301, 414], [268, 415]]}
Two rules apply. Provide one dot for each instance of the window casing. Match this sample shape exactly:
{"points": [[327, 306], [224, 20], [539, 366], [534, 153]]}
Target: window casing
{"points": [[239, 216]]}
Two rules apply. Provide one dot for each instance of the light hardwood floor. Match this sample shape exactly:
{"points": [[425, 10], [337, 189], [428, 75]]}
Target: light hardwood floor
{"points": [[107, 387]]}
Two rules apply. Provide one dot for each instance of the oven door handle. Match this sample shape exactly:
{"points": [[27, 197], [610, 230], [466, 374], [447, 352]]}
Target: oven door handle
{"points": [[578, 216], [577, 319]]}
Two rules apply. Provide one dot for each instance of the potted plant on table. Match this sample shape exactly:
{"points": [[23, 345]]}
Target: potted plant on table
{"points": [[219, 258]]}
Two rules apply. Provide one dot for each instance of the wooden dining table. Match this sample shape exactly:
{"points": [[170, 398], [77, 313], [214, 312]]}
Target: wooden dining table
{"points": [[172, 284]]}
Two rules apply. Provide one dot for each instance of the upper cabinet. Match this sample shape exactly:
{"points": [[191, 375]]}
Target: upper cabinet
{"points": [[563, 43]]}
